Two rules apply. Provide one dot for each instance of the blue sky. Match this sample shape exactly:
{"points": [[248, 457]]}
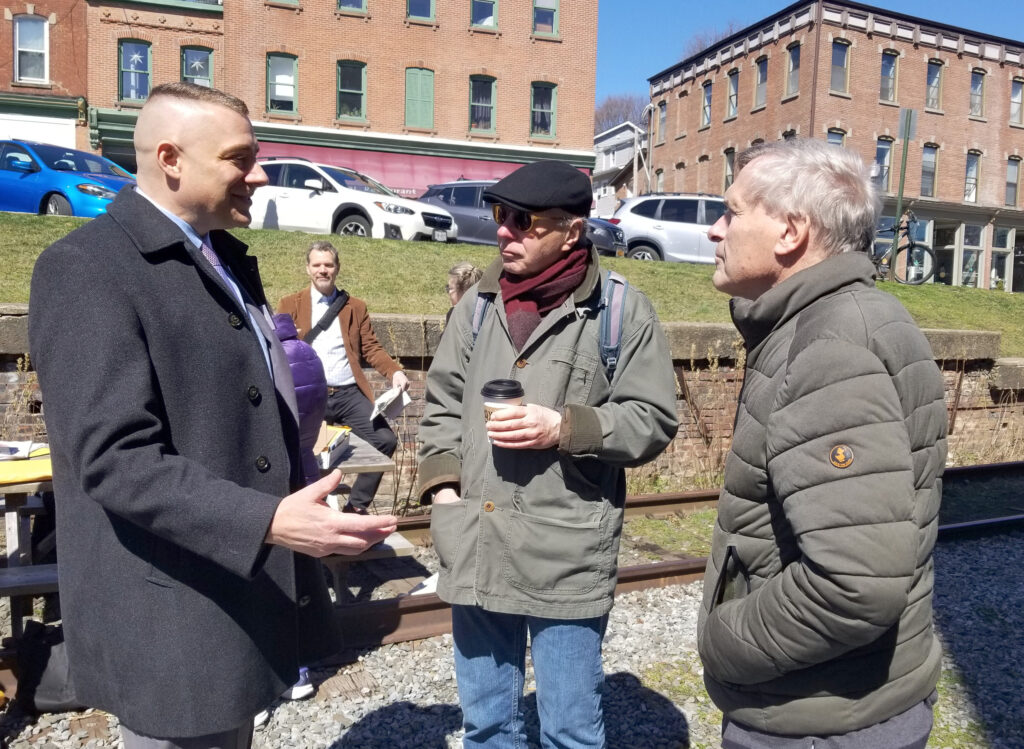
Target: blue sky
{"points": [[638, 38]]}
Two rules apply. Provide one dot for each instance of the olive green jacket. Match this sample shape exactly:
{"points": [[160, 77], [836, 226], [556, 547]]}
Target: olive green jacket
{"points": [[817, 614], [537, 531]]}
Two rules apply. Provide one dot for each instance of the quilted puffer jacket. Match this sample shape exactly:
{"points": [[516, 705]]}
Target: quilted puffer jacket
{"points": [[817, 611], [310, 390]]}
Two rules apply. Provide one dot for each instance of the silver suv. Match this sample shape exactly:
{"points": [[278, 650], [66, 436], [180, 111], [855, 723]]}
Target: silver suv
{"points": [[669, 226]]}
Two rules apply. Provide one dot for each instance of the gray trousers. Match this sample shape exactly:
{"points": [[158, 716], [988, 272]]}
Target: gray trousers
{"points": [[907, 730], [239, 738]]}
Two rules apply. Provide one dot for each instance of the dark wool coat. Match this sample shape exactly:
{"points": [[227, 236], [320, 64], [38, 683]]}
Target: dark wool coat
{"points": [[171, 449]]}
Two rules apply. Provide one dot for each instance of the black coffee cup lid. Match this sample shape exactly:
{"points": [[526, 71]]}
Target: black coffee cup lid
{"points": [[502, 389]]}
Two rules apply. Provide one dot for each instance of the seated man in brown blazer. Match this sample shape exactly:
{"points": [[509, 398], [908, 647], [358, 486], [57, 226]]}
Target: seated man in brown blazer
{"points": [[338, 327]]}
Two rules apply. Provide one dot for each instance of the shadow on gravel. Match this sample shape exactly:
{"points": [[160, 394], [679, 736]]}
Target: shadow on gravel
{"points": [[403, 725], [634, 716], [979, 615]]}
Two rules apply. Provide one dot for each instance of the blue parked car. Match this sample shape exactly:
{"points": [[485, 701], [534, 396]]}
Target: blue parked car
{"points": [[40, 178]]}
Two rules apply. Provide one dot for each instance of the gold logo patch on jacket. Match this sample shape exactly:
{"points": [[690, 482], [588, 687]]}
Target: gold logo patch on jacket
{"points": [[841, 456]]}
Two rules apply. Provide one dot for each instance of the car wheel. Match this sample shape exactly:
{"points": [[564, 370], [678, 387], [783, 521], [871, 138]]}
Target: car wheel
{"points": [[353, 225], [58, 205], [643, 252]]}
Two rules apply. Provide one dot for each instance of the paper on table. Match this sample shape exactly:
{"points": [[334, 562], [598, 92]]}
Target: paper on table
{"points": [[20, 450], [390, 403]]}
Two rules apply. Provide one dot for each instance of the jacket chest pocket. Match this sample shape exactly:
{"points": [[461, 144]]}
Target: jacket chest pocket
{"points": [[566, 376]]}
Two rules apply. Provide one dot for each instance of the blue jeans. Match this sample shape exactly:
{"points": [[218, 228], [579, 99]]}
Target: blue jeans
{"points": [[490, 660]]}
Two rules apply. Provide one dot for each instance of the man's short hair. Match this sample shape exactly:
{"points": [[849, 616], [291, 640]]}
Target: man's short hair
{"points": [[827, 184], [194, 92], [322, 245]]}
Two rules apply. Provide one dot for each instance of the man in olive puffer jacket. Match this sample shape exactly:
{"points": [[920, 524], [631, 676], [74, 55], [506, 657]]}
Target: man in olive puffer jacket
{"points": [[816, 627]]}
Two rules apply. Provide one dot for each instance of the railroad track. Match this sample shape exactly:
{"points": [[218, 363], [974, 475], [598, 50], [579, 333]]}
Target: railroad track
{"points": [[416, 617]]}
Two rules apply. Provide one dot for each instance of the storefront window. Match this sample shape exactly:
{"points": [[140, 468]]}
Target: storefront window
{"points": [[972, 235]]}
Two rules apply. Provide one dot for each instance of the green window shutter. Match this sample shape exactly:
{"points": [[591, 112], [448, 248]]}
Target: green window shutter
{"points": [[419, 98]]}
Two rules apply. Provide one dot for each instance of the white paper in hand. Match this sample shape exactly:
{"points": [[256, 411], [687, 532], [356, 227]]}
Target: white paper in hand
{"points": [[390, 403]]}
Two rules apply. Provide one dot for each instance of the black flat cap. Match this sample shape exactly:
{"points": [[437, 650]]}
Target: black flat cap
{"points": [[543, 185]]}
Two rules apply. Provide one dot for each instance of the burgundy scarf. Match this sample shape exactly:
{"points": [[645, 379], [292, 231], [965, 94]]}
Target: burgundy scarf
{"points": [[527, 299]]}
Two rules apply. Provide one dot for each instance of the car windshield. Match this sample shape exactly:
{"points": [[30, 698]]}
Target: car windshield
{"points": [[70, 160], [357, 181]]}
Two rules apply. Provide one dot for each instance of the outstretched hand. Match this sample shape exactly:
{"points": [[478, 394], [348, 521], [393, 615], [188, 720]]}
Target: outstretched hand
{"points": [[305, 523]]}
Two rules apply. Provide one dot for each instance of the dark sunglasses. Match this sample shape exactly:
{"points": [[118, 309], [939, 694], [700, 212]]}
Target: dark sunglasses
{"points": [[524, 221]]}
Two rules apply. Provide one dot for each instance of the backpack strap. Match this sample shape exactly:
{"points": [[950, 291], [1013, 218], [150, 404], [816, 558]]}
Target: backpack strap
{"points": [[483, 301], [328, 317], [613, 299]]}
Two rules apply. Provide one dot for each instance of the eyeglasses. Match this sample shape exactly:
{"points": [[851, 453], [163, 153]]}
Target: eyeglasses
{"points": [[524, 221]]}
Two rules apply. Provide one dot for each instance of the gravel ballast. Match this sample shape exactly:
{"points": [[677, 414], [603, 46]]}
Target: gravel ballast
{"points": [[404, 696]]}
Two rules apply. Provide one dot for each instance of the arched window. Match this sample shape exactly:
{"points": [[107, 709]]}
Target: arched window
{"points": [[840, 66]]}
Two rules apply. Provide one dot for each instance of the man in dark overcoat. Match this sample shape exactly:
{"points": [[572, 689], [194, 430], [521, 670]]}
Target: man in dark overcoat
{"points": [[171, 419]]}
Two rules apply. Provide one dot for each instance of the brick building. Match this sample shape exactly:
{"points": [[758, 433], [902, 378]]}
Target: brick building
{"points": [[411, 92], [844, 72], [43, 77]]}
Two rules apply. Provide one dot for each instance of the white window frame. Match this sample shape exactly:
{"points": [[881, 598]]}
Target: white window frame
{"points": [[977, 95], [889, 81], [793, 70], [971, 182], [761, 85], [843, 69], [705, 106], [45, 51], [732, 100]]}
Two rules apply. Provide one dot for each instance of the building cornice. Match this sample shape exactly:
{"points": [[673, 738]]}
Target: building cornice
{"points": [[116, 126], [44, 105], [878, 22]]}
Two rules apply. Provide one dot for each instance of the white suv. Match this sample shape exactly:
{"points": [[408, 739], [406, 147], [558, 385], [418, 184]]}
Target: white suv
{"points": [[325, 199], [669, 226]]}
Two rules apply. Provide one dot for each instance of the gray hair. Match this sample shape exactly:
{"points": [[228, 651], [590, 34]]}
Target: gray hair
{"points": [[828, 185], [464, 275], [322, 245]]}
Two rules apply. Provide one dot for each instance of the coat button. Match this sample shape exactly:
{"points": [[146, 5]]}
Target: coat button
{"points": [[234, 321], [304, 601], [488, 506], [262, 464], [254, 393], [521, 363]]}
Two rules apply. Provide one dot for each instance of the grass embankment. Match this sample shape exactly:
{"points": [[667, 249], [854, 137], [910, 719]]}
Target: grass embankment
{"points": [[407, 277]]}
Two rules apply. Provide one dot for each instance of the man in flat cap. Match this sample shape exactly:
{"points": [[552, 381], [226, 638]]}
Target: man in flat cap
{"points": [[527, 505]]}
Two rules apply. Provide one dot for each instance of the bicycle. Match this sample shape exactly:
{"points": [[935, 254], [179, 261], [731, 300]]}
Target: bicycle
{"points": [[912, 263]]}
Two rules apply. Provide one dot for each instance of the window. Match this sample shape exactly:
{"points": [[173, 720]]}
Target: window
{"points": [[929, 159], [971, 177], [662, 114], [351, 90], [421, 10], [357, 5], [31, 49], [977, 93], [1012, 180], [793, 71], [483, 13], [730, 162], [133, 56], [659, 180], [543, 98], [887, 86], [197, 66], [481, 103], [281, 84], [545, 16], [761, 86], [883, 154], [789, 134], [419, 98], [1017, 101], [933, 90], [705, 110], [734, 89], [840, 65], [836, 137]]}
